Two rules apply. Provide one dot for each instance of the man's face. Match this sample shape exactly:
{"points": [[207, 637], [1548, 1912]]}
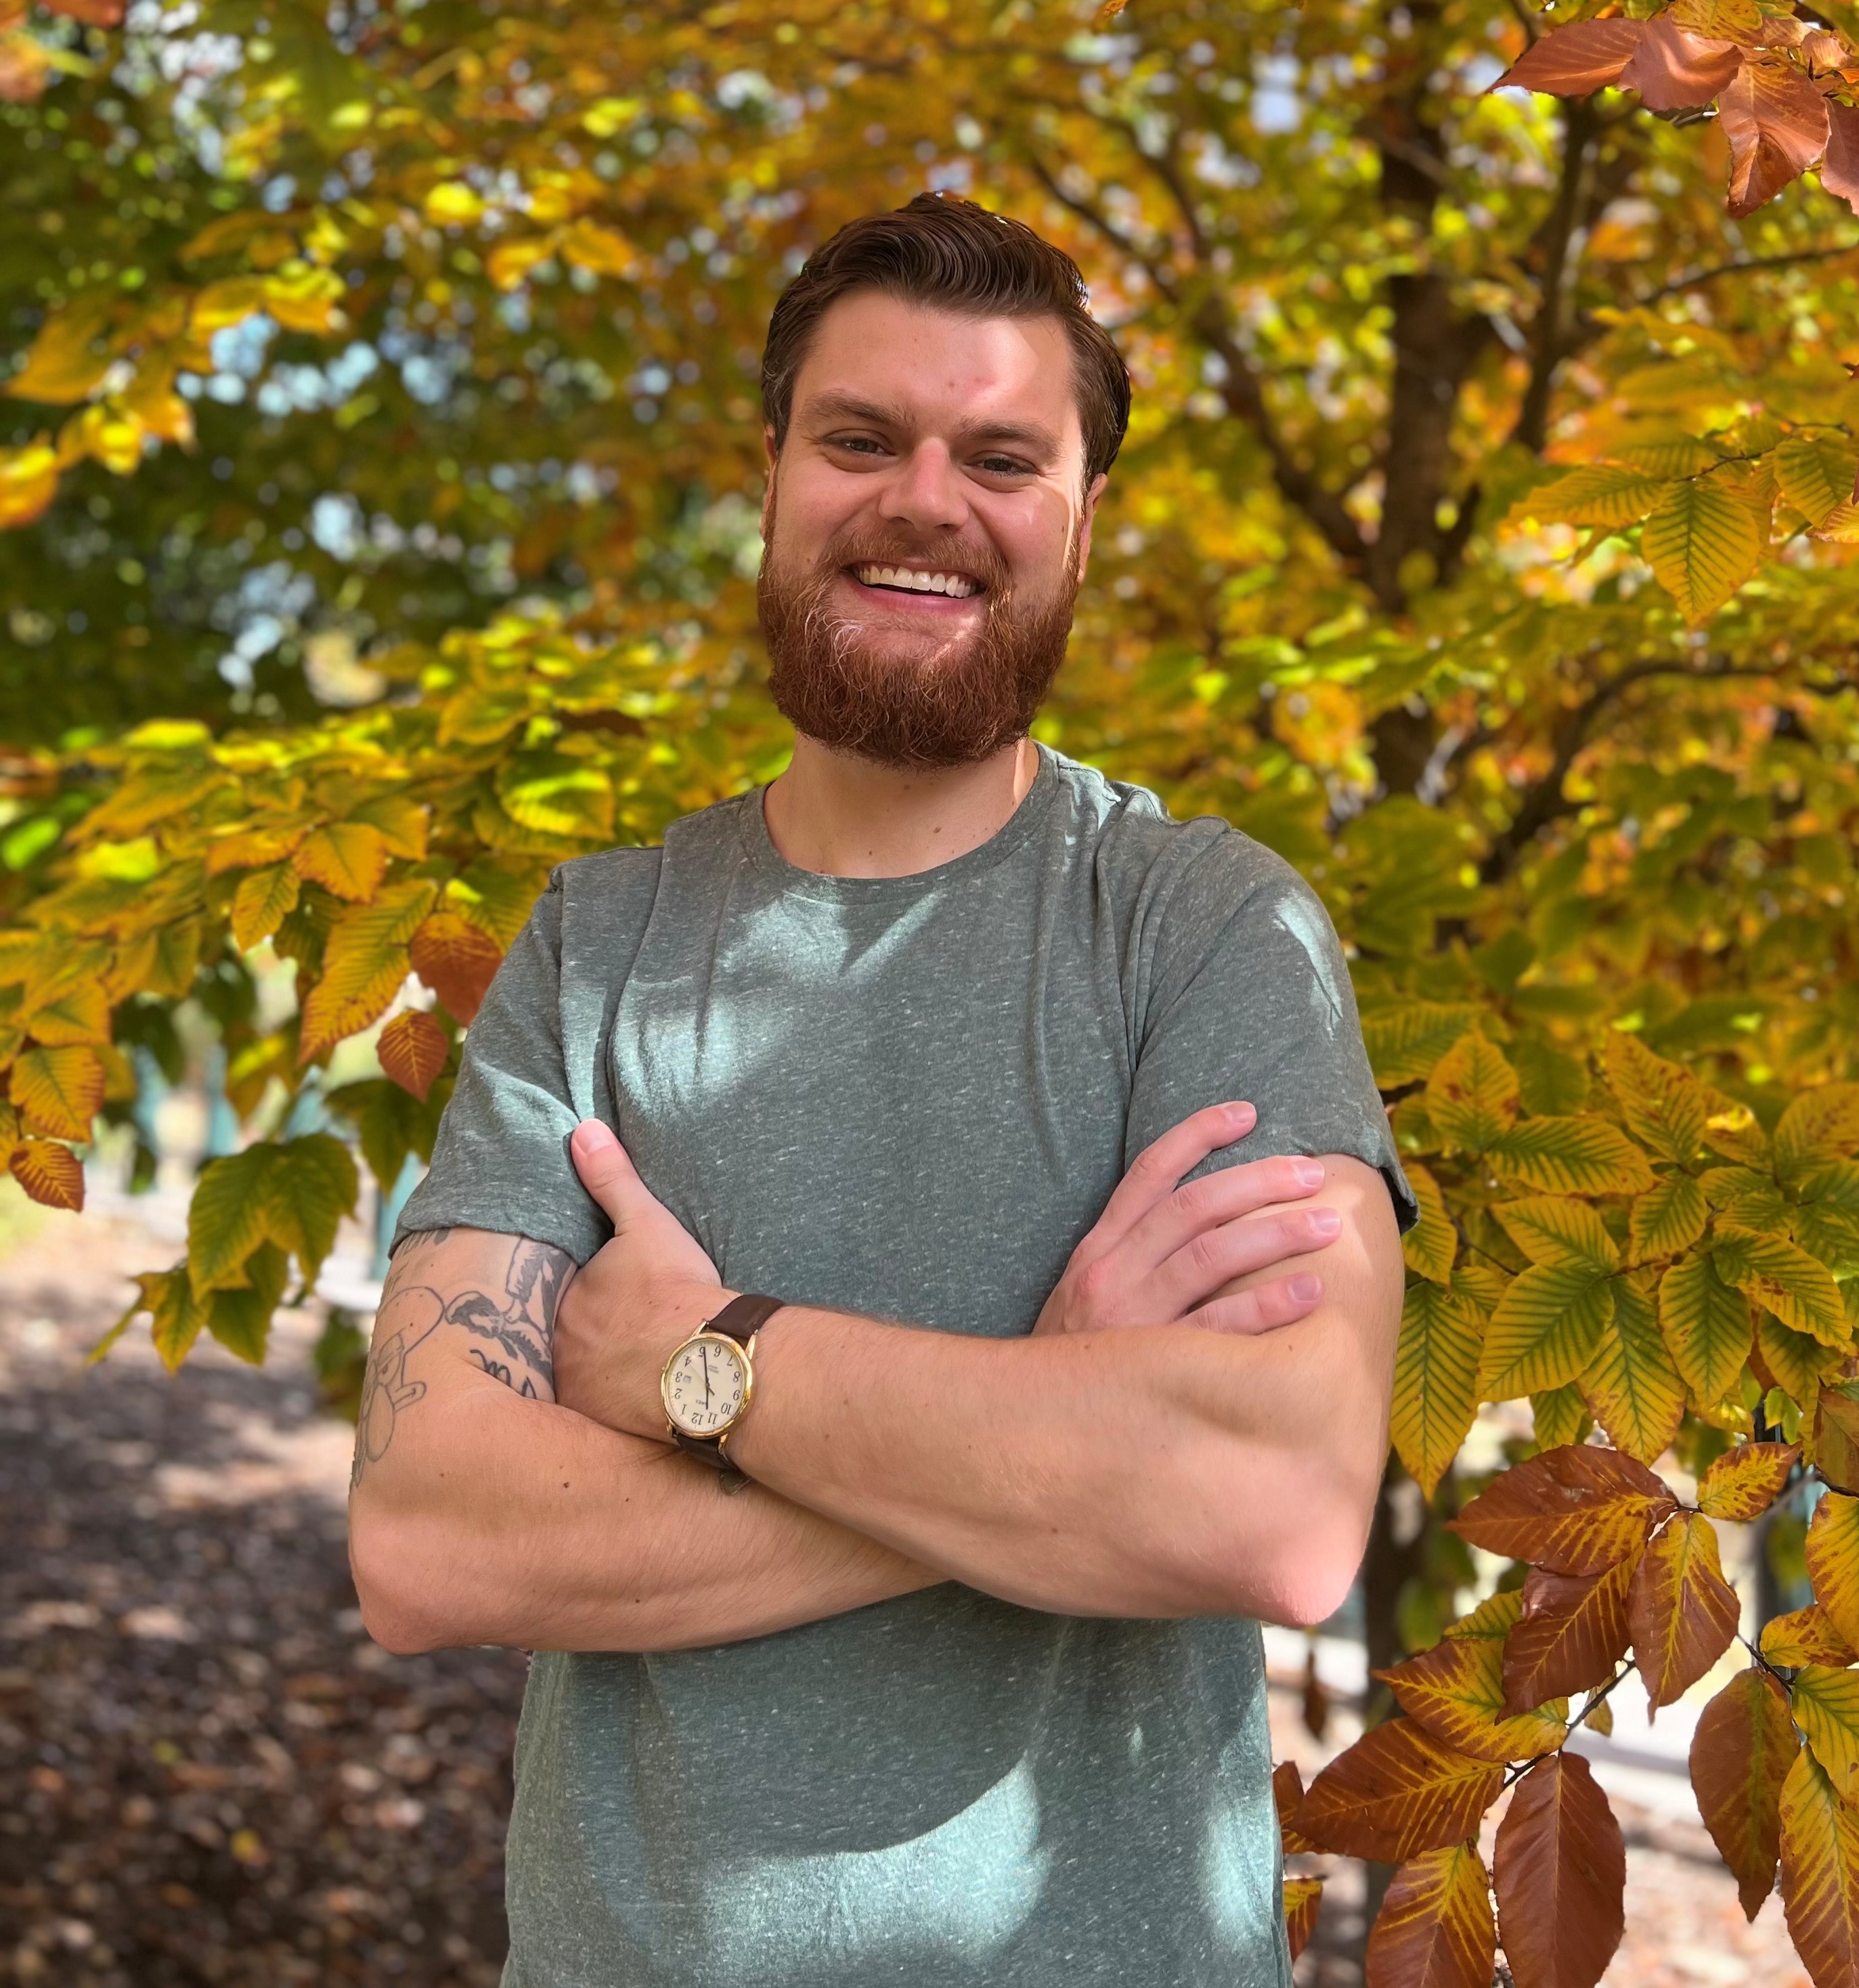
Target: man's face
{"points": [[926, 529]]}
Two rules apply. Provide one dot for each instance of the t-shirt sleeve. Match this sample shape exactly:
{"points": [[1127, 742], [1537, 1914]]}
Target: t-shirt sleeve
{"points": [[1249, 997], [501, 1160]]}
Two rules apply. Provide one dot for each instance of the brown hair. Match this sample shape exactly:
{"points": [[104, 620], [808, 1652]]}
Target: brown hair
{"points": [[950, 253]]}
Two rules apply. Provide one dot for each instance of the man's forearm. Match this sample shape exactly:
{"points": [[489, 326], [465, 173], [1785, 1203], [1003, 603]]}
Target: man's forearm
{"points": [[1164, 1472], [483, 1513]]}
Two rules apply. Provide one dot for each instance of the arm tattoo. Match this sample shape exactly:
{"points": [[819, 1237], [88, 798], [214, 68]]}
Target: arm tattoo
{"points": [[518, 1327]]}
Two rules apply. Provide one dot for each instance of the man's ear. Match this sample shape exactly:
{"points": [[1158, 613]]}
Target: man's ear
{"points": [[1098, 484], [769, 449]]}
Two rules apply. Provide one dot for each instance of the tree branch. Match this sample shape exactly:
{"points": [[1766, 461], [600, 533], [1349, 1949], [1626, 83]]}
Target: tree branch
{"points": [[1738, 268]]}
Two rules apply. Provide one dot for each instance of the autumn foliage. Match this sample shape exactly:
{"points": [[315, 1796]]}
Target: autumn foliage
{"points": [[380, 488]]}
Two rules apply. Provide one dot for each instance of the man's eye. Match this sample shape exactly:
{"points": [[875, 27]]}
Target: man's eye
{"points": [[1004, 465], [859, 444]]}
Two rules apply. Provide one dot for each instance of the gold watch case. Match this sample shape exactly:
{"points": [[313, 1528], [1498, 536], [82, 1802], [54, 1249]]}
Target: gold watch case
{"points": [[736, 1351]]}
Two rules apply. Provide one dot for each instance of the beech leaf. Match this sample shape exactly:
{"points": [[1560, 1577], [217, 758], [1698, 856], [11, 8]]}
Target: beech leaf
{"points": [[1683, 1614], [1820, 1853], [1575, 60], [1559, 1871], [1435, 1928], [1673, 70], [1742, 1483], [1832, 1561], [1574, 1510], [1741, 1753], [1397, 1792], [1571, 1634]]}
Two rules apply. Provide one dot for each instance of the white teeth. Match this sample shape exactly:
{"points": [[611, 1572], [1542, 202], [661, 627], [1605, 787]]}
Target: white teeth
{"points": [[957, 586]]}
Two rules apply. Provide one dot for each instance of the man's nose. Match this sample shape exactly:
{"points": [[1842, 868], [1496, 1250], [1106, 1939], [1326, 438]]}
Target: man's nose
{"points": [[925, 491]]}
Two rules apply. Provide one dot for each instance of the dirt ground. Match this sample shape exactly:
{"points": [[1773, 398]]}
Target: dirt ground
{"points": [[209, 1775]]}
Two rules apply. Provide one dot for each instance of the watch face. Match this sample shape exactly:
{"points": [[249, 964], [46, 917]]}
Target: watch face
{"points": [[706, 1385]]}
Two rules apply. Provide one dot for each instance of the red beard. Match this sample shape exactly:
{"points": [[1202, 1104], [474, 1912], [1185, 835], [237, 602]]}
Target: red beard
{"points": [[830, 679]]}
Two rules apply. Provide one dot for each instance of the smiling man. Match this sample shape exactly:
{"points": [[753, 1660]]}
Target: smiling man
{"points": [[1001, 1203]]}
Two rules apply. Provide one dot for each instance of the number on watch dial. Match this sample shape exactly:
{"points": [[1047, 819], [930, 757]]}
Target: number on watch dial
{"points": [[704, 1386]]}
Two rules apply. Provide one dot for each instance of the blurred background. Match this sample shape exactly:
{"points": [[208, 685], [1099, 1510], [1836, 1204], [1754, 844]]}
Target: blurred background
{"points": [[380, 462]]}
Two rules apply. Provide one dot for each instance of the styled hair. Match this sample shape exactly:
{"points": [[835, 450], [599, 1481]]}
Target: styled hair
{"points": [[951, 253]]}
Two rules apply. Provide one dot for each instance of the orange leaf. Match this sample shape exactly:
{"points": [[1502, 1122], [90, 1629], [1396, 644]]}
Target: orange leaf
{"points": [[1435, 1929], [1456, 1691], [413, 1049], [1820, 1849], [347, 858], [1832, 1561], [1573, 1630], [1807, 1636], [92, 13], [58, 1091], [1572, 61], [1302, 1896], [1396, 1793], [1575, 1509], [1560, 1870], [51, 1174], [1673, 71], [1742, 1484], [1775, 121], [1287, 1798], [1839, 169], [1740, 1754], [457, 961], [1681, 1610]]}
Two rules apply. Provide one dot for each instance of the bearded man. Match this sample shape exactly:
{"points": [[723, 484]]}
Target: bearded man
{"points": [[978, 1172]]}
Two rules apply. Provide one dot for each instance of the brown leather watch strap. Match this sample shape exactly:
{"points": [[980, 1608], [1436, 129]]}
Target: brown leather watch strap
{"points": [[739, 1319], [743, 1317]]}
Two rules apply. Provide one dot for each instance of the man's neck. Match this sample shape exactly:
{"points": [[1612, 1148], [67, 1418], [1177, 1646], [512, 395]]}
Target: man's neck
{"points": [[842, 816]]}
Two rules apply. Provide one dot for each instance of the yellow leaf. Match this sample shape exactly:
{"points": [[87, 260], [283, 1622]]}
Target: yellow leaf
{"points": [[452, 203], [58, 1091], [1832, 1561], [1827, 1709], [511, 261], [1472, 1095], [363, 965], [1683, 1612], [1702, 543], [75, 1014], [1456, 1691], [1435, 1372], [589, 246], [231, 302], [67, 359], [1805, 1636], [1783, 1278], [264, 899], [1667, 1219], [1574, 1155], [51, 1174], [347, 858], [1663, 1104], [1553, 1230], [1631, 1387], [1544, 1332], [1434, 1929], [1596, 493], [1821, 1873], [1743, 1482], [1707, 1328], [1431, 1245], [1819, 1126], [28, 482]]}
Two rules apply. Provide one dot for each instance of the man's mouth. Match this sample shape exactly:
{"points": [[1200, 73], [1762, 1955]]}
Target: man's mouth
{"points": [[917, 580]]}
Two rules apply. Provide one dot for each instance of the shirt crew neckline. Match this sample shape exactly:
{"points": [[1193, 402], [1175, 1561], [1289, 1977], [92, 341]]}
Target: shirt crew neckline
{"points": [[753, 825]]}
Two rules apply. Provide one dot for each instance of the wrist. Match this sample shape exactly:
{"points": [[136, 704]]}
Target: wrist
{"points": [[675, 1314]]}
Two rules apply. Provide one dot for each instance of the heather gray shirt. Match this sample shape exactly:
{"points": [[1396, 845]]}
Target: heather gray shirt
{"points": [[909, 1096]]}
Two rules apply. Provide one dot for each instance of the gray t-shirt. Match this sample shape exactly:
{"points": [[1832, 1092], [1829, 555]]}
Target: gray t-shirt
{"points": [[909, 1096]]}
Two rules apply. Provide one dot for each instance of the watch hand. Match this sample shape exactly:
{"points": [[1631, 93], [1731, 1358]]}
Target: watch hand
{"points": [[705, 1351]]}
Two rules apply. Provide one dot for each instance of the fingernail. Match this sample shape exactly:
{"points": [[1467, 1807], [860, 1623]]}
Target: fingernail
{"points": [[1241, 1113], [1310, 1173], [1324, 1222], [595, 1135], [1305, 1290]]}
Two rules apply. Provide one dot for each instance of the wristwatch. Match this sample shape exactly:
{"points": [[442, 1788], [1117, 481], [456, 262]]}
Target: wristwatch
{"points": [[709, 1381]]}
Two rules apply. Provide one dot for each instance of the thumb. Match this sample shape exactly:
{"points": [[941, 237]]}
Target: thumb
{"points": [[606, 1172]]}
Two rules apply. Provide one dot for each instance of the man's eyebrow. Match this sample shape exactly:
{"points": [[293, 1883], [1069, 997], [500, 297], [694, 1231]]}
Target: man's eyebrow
{"points": [[833, 405]]}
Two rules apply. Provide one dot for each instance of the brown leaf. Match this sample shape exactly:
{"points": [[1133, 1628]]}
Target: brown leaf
{"points": [[1572, 61], [1302, 1897], [1832, 1561], [457, 961], [1776, 124], [1819, 1851], [1396, 1793], [1839, 169], [92, 13], [1573, 1630], [1560, 1870], [1741, 1753], [51, 1175], [1673, 71], [1435, 1929], [413, 1049], [1742, 1483], [1287, 1798], [1681, 1610], [1574, 1510], [1456, 1691]]}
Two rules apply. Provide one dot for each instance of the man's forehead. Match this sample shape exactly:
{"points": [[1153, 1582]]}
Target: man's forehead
{"points": [[892, 361]]}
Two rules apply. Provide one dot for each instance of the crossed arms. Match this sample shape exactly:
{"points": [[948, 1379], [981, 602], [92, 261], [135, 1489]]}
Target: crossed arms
{"points": [[1196, 1426]]}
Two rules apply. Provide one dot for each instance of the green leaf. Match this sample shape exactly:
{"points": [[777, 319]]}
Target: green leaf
{"points": [[1543, 1332], [1634, 1391], [1702, 543], [1435, 1371], [1797, 1360], [226, 1221], [1550, 1229], [241, 1320], [1707, 1327], [309, 1186], [1815, 473], [1818, 1127], [1558, 1415], [1579, 1155], [1404, 1041], [1472, 1095]]}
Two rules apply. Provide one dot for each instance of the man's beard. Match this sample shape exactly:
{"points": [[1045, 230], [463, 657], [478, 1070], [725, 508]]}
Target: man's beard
{"points": [[959, 704]]}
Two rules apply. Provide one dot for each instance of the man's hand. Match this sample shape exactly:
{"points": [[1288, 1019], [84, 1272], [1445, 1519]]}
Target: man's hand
{"points": [[1162, 1253], [639, 1297]]}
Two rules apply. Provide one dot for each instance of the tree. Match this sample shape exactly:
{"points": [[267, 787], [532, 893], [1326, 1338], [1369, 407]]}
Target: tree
{"points": [[1481, 543]]}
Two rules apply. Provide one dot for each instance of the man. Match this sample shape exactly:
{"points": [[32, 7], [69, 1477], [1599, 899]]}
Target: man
{"points": [[908, 1057]]}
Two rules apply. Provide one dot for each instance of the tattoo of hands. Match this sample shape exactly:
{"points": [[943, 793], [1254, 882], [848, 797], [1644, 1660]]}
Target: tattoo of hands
{"points": [[519, 1325]]}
